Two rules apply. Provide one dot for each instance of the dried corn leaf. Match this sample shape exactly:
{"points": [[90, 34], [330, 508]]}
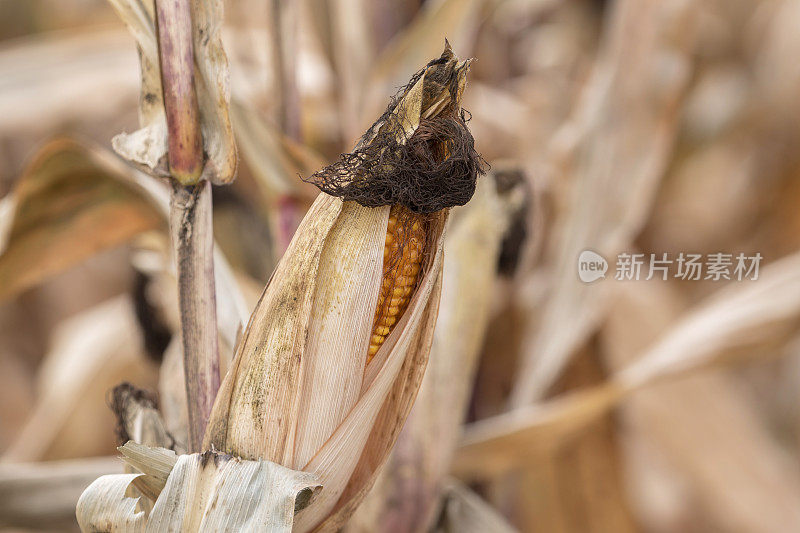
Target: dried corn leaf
{"points": [[147, 147], [273, 158], [702, 424], [740, 318], [616, 159], [69, 204], [77, 199], [201, 492]]}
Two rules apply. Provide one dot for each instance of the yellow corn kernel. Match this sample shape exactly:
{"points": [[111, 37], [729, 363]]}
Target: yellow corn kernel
{"points": [[402, 261]]}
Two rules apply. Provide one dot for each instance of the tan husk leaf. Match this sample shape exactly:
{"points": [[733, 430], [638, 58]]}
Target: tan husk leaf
{"points": [[376, 420], [389, 423], [258, 379], [147, 147]]}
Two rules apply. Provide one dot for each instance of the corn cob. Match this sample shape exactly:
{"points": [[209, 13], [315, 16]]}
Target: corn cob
{"points": [[402, 260]]}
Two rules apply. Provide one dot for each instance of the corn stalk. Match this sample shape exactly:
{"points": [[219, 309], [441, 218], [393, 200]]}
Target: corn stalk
{"points": [[190, 214]]}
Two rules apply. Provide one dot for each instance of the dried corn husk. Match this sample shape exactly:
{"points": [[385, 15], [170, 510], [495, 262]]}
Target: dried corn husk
{"points": [[300, 391], [197, 492]]}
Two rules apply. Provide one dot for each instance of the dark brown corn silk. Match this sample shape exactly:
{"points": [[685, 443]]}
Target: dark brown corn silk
{"points": [[434, 168]]}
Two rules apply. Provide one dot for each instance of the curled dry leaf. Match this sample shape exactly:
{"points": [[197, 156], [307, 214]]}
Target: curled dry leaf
{"points": [[198, 492], [77, 199], [147, 147], [69, 204], [328, 368]]}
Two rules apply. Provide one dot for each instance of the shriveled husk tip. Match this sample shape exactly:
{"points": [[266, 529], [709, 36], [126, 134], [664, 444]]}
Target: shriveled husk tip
{"points": [[301, 391]]}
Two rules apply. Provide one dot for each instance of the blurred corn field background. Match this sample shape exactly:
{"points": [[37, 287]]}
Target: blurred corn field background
{"points": [[549, 404]]}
